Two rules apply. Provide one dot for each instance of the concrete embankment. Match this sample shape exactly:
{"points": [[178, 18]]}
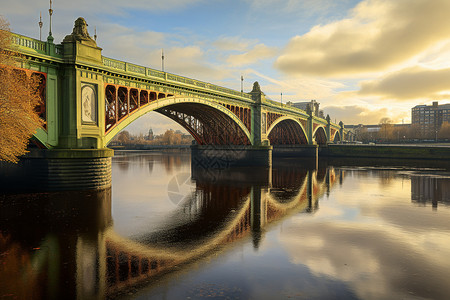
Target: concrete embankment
{"points": [[387, 151], [58, 170]]}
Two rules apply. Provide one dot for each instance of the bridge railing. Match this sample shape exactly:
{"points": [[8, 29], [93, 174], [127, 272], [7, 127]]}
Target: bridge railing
{"points": [[285, 106], [298, 110], [30, 43], [148, 72]]}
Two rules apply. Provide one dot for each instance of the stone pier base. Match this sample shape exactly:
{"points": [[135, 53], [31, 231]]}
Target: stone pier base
{"points": [[58, 170], [222, 157], [295, 150]]}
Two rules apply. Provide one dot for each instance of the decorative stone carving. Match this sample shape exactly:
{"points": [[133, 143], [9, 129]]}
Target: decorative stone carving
{"points": [[88, 104], [80, 33], [256, 88]]}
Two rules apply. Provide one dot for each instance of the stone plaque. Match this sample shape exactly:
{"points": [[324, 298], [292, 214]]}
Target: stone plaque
{"points": [[88, 103], [263, 123]]}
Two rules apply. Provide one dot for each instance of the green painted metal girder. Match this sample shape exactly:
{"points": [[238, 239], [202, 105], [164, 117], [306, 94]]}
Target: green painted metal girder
{"points": [[166, 102]]}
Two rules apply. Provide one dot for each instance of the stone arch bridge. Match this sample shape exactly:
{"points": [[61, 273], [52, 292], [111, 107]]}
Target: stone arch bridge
{"points": [[88, 98]]}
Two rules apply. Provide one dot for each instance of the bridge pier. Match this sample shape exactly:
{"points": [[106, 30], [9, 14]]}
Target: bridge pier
{"points": [[57, 170], [295, 151], [225, 156]]}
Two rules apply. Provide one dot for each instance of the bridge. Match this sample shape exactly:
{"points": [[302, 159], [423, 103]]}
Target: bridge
{"points": [[89, 98]]}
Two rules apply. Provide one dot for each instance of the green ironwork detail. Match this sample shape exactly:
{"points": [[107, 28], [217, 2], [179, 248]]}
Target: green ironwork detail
{"points": [[123, 66], [28, 43], [135, 69], [155, 73], [115, 64]]}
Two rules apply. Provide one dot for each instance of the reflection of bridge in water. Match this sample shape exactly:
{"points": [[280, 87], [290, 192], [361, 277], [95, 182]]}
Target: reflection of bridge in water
{"points": [[80, 254], [221, 211]]}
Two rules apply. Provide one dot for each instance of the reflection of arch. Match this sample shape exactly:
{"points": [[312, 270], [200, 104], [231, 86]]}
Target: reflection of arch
{"points": [[208, 122], [287, 182], [201, 215], [130, 262], [320, 136], [297, 198], [286, 131]]}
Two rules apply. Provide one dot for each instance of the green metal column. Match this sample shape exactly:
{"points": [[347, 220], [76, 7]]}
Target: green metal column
{"points": [[328, 129], [309, 130], [256, 115]]}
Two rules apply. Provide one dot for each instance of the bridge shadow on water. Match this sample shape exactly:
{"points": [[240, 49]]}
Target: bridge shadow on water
{"points": [[63, 245]]}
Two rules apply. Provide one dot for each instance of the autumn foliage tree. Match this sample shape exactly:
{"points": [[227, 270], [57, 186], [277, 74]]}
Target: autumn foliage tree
{"points": [[124, 137], [18, 100]]}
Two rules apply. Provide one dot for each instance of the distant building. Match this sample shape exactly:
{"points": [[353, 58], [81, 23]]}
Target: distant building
{"points": [[372, 133], [429, 118], [150, 136], [310, 106]]}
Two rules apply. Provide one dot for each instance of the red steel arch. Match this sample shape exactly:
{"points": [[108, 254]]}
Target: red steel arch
{"points": [[287, 132], [206, 124], [320, 136]]}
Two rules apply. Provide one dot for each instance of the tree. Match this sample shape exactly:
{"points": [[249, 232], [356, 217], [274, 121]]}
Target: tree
{"points": [[386, 129], [18, 100], [124, 137]]}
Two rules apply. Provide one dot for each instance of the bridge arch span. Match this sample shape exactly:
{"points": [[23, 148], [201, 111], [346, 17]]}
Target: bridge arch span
{"points": [[287, 131], [320, 135], [207, 121], [336, 137]]}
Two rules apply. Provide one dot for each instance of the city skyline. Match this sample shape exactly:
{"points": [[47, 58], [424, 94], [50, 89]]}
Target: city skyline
{"points": [[362, 60]]}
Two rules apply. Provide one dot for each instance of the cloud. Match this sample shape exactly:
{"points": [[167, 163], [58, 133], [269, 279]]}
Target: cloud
{"points": [[409, 83], [258, 52], [354, 114], [295, 89], [144, 48], [358, 258], [293, 6], [24, 14], [233, 43], [379, 34], [124, 43], [22, 7], [191, 61]]}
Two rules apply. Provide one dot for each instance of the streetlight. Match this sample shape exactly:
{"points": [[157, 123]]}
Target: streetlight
{"points": [[40, 26], [242, 84]]}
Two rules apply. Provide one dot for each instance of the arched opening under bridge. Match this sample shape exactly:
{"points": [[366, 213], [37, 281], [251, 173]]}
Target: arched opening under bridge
{"points": [[320, 136], [209, 124], [337, 137], [287, 132]]}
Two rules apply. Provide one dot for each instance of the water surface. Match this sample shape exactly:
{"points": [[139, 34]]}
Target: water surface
{"points": [[169, 230]]}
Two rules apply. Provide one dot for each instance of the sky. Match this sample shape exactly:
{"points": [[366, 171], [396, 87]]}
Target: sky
{"points": [[361, 60]]}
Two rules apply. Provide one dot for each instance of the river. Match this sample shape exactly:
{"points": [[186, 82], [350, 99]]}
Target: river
{"points": [[169, 229]]}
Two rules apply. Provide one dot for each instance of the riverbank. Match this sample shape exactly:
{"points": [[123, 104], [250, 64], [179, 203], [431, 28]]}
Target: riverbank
{"points": [[149, 147], [441, 152]]}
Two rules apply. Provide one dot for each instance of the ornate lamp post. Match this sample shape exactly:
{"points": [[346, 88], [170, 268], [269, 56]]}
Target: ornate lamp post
{"points": [[40, 26]]}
